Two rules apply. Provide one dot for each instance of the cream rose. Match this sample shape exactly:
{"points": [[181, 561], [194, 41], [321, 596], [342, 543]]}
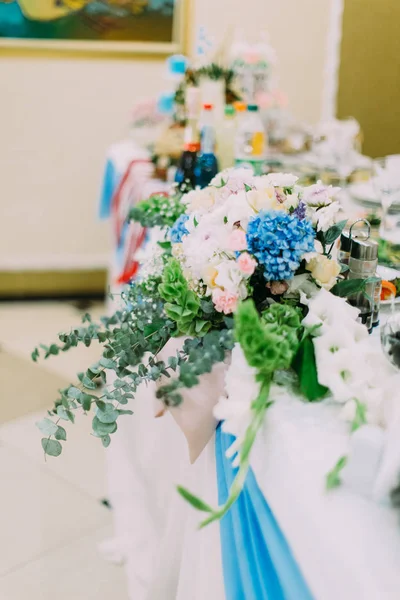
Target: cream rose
{"points": [[264, 199], [324, 270], [200, 200]]}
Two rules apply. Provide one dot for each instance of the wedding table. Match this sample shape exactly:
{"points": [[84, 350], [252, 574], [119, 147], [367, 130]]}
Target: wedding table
{"points": [[347, 546], [337, 544]]}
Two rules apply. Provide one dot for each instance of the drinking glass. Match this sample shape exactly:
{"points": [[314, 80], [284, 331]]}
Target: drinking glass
{"points": [[386, 182]]}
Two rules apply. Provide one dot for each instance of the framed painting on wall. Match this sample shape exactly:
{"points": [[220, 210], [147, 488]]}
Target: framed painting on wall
{"points": [[92, 26]]}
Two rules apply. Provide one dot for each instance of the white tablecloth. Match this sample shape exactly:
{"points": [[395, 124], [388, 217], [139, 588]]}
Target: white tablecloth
{"points": [[347, 546]]}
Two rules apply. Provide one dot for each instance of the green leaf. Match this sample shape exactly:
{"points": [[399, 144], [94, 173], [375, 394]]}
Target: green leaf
{"points": [[194, 500], [207, 306], [107, 363], [105, 440], [333, 477], [51, 447], [101, 405], [305, 366], [333, 232], [74, 392], [102, 429], [35, 355], [173, 362], [165, 245], [86, 401], [88, 383], [46, 426], [65, 414], [108, 415], [360, 417], [247, 188], [61, 434], [348, 287], [125, 412]]}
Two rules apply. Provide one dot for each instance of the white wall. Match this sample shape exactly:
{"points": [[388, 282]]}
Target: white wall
{"points": [[57, 118]]}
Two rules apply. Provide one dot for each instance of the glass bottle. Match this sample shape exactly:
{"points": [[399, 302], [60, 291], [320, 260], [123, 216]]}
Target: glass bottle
{"points": [[250, 140], [362, 265], [226, 138], [187, 172], [207, 161]]}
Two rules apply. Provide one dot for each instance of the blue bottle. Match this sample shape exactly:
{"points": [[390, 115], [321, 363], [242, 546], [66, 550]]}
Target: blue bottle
{"points": [[207, 162]]}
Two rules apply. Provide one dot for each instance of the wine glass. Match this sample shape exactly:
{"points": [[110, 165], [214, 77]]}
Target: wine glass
{"points": [[386, 181], [343, 147], [390, 338]]}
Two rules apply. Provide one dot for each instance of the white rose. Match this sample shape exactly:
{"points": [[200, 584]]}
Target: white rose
{"points": [[264, 199], [284, 180], [230, 278], [200, 200], [323, 270], [238, 210]]}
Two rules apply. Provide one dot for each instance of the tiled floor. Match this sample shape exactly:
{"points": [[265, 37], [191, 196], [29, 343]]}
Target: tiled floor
{"points": [[51, 517]]}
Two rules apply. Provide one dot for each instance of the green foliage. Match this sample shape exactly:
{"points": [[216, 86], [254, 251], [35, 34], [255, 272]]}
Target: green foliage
{"points": [[333, 477], [158, 210], [270, 342], [388, 253], [182, 304], [328, 238], [197, 357], [212, 71], [51, 447], [194, 500], [349, 287], [305, 366], [360, 416]]}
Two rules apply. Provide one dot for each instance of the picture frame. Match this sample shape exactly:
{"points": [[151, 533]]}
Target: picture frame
{"points": [[104, 48]]}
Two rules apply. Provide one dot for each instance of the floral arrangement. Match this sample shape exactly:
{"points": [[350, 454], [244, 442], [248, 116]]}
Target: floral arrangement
{"points": [[243, 268]]}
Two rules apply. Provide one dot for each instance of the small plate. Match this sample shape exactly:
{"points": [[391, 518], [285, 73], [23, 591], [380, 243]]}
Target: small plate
{"points": [[364, 192], [388, 274]]}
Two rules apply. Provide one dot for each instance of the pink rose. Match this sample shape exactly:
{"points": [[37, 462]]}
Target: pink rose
{"points": [[224, 301], [237, 240], [246, 264]]}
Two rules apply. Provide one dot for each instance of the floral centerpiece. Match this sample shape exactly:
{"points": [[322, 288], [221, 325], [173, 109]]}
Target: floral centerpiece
{"points": [[243, 268]]}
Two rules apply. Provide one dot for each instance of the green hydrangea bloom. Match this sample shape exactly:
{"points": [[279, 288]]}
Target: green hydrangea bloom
{"points": [[182, 304], [268, 342]]}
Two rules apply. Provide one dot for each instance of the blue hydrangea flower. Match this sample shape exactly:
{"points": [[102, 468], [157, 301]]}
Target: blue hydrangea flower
{"points": [[278, 241], [178, 229]]}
